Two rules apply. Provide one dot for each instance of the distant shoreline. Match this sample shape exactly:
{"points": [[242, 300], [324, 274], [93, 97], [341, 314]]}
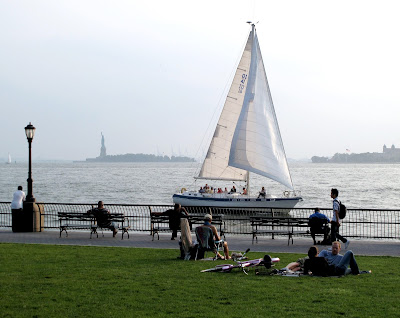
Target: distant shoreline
{"points": [[357, 158], [139, 158], [388, 155]]}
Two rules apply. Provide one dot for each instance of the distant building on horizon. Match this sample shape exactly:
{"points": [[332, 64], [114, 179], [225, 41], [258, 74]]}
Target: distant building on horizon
{"points": [[391, 150], [388, 155]]}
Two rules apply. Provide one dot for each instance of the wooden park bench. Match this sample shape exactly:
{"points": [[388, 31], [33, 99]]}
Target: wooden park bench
{"points": [[160, 223], [265, 225], [83, 221]]}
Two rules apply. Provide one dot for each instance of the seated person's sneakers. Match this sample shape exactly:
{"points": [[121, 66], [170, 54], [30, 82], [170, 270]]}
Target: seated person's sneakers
{"points": [[346, 245], [366, 272]]}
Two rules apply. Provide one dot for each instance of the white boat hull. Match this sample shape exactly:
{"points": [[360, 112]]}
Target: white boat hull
{"points": [[234, 201]]}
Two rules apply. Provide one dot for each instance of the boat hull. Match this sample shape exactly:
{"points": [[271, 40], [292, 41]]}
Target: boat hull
{"points": [[200, 200]]}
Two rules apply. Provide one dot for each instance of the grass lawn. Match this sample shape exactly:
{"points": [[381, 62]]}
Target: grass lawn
{"points": [[74, 281]]}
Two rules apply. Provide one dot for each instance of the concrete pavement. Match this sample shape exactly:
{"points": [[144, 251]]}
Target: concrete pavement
{"points": [[236, 242]]}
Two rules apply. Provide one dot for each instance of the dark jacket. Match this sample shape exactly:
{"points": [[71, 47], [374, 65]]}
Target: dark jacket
{"points": [[319, 267], [102, 217], [174, 218]]}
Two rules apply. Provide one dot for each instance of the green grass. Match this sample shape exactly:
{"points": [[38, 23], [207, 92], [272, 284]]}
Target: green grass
{"points": [[73, 281]]}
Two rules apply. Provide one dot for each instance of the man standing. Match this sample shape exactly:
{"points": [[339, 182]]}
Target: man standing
{"points": [[174, 218], [335, 223], [18, 198], [341, 262]]}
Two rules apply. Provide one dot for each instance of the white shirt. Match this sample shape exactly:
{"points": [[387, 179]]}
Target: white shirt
{"points": [[335, 208], [18, 198]]}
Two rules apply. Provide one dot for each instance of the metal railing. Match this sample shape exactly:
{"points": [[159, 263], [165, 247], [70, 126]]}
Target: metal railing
{"points": [[359, 223]]}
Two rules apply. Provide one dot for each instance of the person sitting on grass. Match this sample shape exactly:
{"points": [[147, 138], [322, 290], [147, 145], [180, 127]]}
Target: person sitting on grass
{"points": [[102, 216]]}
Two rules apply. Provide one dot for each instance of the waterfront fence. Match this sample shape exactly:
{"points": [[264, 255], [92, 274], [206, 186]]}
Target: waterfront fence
{"points": [[359, 223]]}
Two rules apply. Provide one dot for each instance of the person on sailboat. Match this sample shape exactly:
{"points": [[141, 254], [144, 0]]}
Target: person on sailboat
{"points": [[262, 193], [18, 198], [244, 191], [233, 190]]}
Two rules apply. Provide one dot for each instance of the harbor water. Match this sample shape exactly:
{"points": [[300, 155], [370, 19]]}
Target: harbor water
{"points": [[364, 186]]}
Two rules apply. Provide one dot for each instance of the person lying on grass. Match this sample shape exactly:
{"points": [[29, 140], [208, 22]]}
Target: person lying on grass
{"points": [[341, 262], [331, 263], [295, 266], [317, 266]]}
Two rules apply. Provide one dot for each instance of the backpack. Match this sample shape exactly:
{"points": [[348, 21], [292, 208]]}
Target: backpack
{"points": [[342, 210]]}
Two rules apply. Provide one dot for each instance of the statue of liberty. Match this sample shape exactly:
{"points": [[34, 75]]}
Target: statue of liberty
{"points": [[103, 147]]}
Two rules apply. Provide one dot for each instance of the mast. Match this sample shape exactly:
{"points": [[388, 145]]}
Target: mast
{"points": [[248, 183]]}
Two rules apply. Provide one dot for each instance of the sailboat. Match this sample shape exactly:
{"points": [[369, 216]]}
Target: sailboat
{"points": [[246, 139], [9, 159]]}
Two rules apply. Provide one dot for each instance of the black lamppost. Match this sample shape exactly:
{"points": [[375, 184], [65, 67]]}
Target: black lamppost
{"points": [[30, 132]]}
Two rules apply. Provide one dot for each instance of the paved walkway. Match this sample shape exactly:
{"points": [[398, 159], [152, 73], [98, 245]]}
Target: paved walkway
{"points": [[236, 242]]}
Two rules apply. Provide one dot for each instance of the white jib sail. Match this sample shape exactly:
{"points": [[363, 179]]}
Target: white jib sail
{"points": [[215, 165], [257, 144]]}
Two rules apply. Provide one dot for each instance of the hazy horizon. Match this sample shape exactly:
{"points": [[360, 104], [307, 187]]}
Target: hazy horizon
{"points": [[152, 76]]}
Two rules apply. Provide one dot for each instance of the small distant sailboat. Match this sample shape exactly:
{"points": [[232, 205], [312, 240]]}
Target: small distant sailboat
{"points": [[246, 139], [9, 159]]}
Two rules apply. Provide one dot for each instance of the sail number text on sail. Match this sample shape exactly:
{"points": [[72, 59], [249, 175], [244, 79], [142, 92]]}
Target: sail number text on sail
{"points": [[241, 86]]}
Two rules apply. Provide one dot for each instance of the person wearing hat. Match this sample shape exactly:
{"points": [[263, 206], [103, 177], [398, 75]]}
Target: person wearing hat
{"points": [[207, 222]]}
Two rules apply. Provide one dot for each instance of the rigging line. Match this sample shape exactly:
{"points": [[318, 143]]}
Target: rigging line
{"points": [[218, 105]]}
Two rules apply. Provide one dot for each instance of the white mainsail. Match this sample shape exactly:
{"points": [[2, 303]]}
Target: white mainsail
{"points": [[9, 158], [247, 136], [215, 164], [257, 144]]}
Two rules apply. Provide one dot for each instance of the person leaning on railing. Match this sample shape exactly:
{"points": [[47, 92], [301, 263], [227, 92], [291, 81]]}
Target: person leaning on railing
{"points": [[18, 199]]}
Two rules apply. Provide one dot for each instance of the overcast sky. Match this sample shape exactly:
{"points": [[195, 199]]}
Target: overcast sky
{"points": [[151, 75]]}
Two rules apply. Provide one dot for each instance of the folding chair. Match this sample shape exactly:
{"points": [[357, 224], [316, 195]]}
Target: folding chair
{"points": [[205, 239], [186, 238]]}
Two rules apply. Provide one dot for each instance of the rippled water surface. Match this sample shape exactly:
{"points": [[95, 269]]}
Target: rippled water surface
{"points": [[360, 186]]}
